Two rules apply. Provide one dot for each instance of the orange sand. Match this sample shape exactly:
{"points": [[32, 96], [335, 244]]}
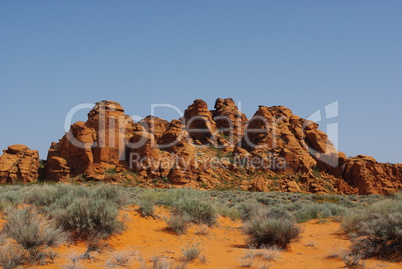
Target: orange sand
{"points": [[223, 246]]}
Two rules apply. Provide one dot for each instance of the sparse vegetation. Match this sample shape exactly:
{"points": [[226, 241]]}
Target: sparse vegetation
{"points": [[202, 230], [159, 262], [377, 230], [73, 262], [120, 258], [147, 202], [353, 261], [93, 213], [266, 255], [33, 232], [178, 223], [11, 256], [191, 253]]}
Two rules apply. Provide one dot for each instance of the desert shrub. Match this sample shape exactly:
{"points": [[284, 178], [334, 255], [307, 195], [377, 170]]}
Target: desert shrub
{"points": [[202, 229], [377, 230], [308, 211], [146, 208], [178, 223], [111, 193], [12, 196], [159, 262], [120, 258], [73, 261], [352, 220], [4, 204], [199, 212], [46, 195], [326, 198], [353, 261], [88, 218], [60, 204], [170, 197], [270, 254], [277, 213], [11, 256], [248, 210], [32, 231], [226, 211], [50, 197], [247, 262], [147, 202], [189, 194], [267, 255], [264, 231], [191, 253], [397, 195], [312, 211], [41, 195]]}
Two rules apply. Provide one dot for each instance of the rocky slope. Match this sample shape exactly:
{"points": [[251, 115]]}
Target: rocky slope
{"points": [[212, 149]]}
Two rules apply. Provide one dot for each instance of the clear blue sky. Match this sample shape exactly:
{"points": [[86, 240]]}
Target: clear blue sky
{"points": [[301, 54]]}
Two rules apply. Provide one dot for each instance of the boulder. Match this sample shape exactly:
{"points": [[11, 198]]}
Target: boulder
{"points": [[19, 163], [292, 186]]}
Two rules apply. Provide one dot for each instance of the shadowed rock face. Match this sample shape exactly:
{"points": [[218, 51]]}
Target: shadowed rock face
{"points": [[19, 163], [230, 121], [199, 122], [274, 150]]}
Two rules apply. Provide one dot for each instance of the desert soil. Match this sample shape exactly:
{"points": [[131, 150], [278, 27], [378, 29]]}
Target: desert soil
{"points": [[222, 247]]}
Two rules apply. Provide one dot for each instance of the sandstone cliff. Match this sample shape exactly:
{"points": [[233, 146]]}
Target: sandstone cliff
{"points": [[274, 150]]}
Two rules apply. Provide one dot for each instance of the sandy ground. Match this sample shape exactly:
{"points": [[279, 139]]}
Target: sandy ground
{"points": [[222, 247]]}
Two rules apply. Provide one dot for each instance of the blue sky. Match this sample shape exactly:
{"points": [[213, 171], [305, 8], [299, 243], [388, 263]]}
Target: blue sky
{"points": [[301, 54]]}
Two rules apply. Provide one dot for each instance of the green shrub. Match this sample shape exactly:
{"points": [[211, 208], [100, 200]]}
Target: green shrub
{"points": [[12, 196], [47, 195], [377, 230], [198, 211], [225, 211], [147, 208], [112, 194], [264, 231], [147, 202], [248, 210], [277, 213], [88, 218], [311, 211], [41, 195], [32, 231]]}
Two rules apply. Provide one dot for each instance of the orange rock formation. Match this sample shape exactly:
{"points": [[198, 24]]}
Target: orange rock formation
{"points": [[19, 163], [210, 149]]}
